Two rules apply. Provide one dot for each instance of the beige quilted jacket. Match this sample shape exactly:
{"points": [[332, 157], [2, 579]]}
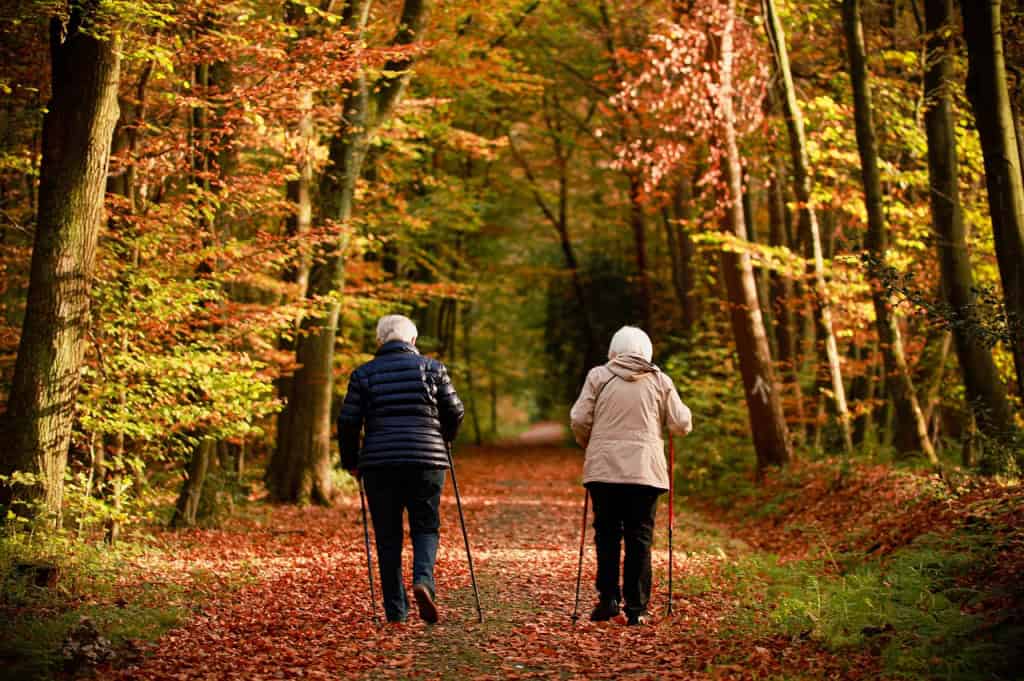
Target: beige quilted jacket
{"points": [[618, 418]]}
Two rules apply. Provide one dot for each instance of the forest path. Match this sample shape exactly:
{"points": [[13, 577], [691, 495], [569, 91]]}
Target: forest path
{"points": [[295, 603]]}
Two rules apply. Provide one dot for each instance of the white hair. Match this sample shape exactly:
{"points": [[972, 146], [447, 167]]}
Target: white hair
{"points": [[394, 327], [629, 340]]}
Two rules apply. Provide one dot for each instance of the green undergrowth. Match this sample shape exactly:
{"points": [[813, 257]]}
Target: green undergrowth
{"points": [[943, 605], [54, 591], [920, 610]]}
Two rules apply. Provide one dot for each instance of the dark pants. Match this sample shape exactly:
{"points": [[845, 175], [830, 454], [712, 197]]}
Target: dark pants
{"points": [[624, 512], [390, 492]]}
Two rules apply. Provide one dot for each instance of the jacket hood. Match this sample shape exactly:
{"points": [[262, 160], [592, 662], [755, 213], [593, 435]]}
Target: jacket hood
{"points": [[630, 367], [396, 346]]}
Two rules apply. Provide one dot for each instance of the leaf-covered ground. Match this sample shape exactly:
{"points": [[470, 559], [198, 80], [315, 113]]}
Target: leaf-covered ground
{"points": [[294, 601]]}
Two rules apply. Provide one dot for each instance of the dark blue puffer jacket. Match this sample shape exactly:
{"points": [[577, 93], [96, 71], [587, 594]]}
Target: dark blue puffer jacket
{"points": [[407, 407]]}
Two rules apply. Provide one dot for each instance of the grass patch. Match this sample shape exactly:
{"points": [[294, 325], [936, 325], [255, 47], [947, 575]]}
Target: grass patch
{"points": [[36, 620], [919, 610]]}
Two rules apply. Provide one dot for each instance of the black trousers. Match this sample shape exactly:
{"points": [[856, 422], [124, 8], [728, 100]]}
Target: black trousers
{"points": [[624, 512], [391, 491]]}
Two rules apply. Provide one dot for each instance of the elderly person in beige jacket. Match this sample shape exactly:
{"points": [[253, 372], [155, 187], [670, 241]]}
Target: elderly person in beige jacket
{"points": [[618, 418]]}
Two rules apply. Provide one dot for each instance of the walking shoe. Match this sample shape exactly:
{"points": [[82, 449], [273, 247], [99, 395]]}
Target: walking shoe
{"points": [[604, 610], [638, 619], [425, 601]]}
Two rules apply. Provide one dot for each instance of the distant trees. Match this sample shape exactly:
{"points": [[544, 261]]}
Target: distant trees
{"points": [[808, 218]]}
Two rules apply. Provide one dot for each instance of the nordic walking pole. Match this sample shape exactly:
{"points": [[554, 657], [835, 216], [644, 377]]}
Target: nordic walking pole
{"points": [[671, 511], [366, 538], [579, 569], [465, 536]]}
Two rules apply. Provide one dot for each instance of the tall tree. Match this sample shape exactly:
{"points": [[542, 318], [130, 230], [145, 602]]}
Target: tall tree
{"points": [[77, 132], [300, 468], [808, 216], [783, 294], [910, 426], [986, 393], [989, 96], [764, 403], [626, 120]]}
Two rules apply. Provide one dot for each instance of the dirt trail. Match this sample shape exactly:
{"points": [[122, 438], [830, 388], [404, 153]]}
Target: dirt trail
{"points": [[303, 608]]}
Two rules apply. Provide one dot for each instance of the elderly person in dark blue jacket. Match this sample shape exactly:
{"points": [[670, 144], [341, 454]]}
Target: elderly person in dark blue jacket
{"points": [[407, 411]]}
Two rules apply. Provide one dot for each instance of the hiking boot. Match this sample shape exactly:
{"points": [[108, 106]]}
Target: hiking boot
{"points": [[425, 602], [604, 610], [638, 619]]}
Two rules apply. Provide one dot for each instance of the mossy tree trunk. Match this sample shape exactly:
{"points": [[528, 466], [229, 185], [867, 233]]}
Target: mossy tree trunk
{"points": [[300, 467], [986, 394], [764, 403], [77, 132], [911, 430]]}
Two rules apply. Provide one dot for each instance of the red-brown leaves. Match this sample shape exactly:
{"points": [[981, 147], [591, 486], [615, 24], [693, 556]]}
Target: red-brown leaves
{"points": [[303, 611]]}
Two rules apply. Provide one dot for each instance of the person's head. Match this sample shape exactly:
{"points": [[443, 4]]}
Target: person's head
{"points": [[629, 340], [396, 327]]}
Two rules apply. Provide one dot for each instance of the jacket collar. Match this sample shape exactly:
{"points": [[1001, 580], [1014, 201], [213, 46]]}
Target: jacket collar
{"points": [[396, 346]]}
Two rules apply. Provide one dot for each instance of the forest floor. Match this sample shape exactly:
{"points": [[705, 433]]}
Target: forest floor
{"points": [[824, 570], [295, 600]]}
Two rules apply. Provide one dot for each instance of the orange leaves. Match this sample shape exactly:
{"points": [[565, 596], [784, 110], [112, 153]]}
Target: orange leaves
{"points": [[286, 597]]}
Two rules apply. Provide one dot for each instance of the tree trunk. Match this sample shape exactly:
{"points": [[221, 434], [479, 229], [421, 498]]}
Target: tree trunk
{"points": [[760, 275], [300, 467], [683, 253], [77, 132], [782, 296], [643, 279], [911, 429], [467, 353], [186, 510], [767, 422], [986, 394], [989, 96], [809, 220]]}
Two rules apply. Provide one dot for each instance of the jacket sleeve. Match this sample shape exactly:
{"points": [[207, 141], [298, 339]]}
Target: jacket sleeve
{"points": [[350, 424], [449, 406], [677, 415], [581, 416]]}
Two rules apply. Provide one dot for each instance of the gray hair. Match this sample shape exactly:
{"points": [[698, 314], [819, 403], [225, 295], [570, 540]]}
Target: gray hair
{"points": [[394, 327], [629, 340]]}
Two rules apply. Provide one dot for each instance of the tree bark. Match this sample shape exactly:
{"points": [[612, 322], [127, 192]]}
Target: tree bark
{"points": [[802, 185], [683, 253], [77, 132], [782, 294], [911, 429], [989, 96], [638, 223], [300, 467], [986, 394], [299, 191], [764, 404], [760, 274], [186, 510], [467, 353]]}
